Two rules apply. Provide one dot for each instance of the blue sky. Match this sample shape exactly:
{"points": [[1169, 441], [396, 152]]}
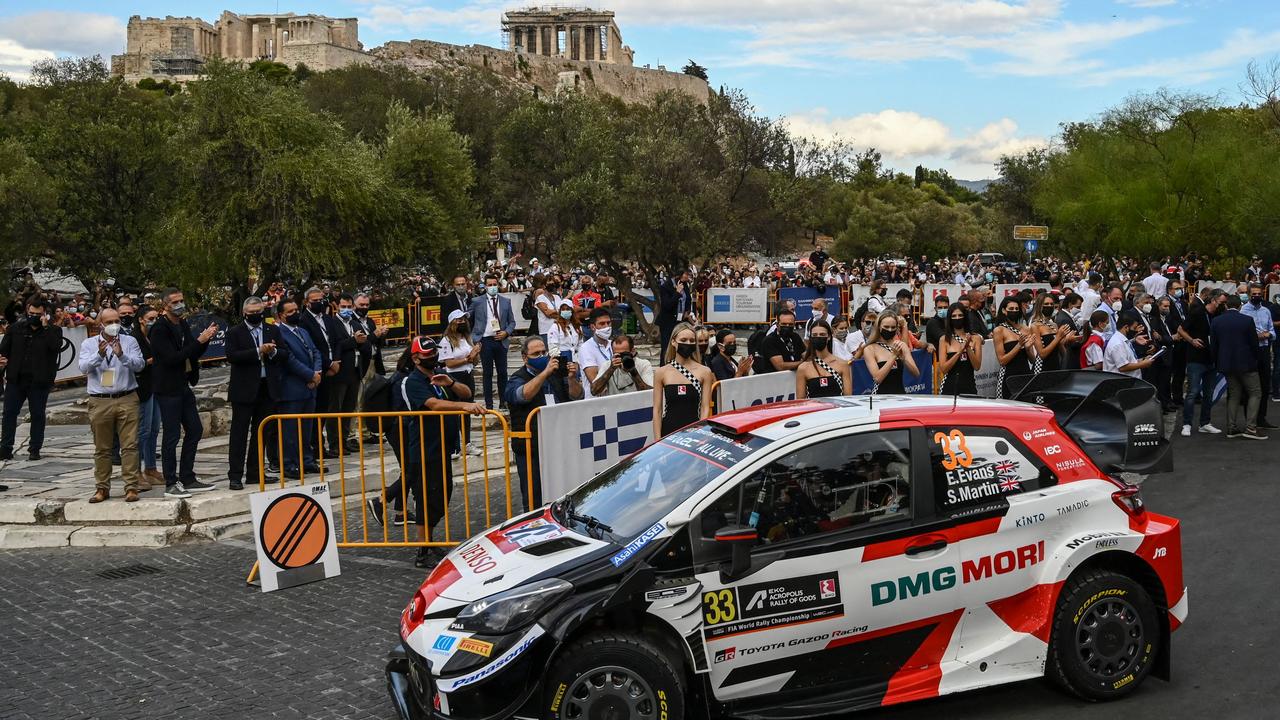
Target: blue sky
{"points": [[946, 83]]}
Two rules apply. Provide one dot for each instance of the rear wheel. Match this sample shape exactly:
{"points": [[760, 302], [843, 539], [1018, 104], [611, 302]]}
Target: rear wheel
{"points": [[614, 676], [1106, 636]]}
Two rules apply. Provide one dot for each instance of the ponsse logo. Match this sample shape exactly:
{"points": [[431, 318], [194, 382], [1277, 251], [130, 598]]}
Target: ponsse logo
{"points": [[944, 578]]}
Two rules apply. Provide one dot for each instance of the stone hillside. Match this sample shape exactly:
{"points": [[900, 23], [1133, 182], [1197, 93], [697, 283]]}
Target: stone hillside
{"points": [[546, 74]]}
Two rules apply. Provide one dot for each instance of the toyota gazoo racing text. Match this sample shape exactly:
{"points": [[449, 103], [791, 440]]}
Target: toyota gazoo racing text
{"points": [[817, 556]]}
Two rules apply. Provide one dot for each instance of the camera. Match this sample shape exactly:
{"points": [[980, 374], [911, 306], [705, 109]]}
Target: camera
{"points": [[628, 361]]}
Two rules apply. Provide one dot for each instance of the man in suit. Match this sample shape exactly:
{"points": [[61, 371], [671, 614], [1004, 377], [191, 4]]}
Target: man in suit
{"points": [[675, 304], [29, 356], [175, 371], [256, 356], [325, 332], [351, 343], [492, 323], [459, 297], [371, 353], [300, 375], [1234, 344]]}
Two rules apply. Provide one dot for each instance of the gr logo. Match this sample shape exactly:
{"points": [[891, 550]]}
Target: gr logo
{"points": [[726, 654]]}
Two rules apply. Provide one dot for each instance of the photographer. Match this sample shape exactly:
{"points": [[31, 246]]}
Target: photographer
{"points": [[542, 380], [625, 372], [29, 356]]}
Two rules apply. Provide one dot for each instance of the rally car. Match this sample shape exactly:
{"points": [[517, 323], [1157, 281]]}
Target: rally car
{"points": [[809, 557]]}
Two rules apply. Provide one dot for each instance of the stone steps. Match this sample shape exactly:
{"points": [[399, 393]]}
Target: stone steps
{"points": [[43, 520]]}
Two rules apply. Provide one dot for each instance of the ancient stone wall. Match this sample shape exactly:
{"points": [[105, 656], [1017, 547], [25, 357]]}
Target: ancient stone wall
{"points": [[321, 56], [632, 84]]}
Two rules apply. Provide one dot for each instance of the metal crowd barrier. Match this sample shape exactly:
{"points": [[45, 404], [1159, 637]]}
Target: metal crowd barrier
{"points": [[364, 476]]}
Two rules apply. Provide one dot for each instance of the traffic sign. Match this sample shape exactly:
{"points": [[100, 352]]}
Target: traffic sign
{"points": [[1031, 232], [1031, 246], [293, 532]]}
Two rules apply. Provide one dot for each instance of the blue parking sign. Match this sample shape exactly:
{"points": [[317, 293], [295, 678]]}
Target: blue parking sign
{"points": [[1032, 246]]}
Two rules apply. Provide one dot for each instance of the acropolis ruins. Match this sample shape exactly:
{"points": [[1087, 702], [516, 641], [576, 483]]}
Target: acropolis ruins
{"points": [[564, 32]]}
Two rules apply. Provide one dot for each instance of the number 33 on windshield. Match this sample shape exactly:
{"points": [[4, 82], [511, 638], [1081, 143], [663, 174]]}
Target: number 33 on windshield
{"points": [[954, 446]]}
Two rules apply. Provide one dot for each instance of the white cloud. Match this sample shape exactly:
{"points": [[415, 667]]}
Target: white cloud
{"points": [[16, 60], [906, 139], [44, 35]]}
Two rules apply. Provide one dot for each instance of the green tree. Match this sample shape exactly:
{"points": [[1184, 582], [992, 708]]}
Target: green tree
{"points": [[695, 70]]}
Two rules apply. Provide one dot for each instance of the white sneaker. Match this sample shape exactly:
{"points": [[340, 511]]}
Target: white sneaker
{"points": [[474, 449], [1186, 431], [1208, 428]]}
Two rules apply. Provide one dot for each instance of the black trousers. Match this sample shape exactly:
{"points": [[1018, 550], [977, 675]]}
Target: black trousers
{"points": [[245, 419], [35, 397], [1264, 379], [665, 328], [1178, 380], [342, 399], [179, 418], [521, 460]]}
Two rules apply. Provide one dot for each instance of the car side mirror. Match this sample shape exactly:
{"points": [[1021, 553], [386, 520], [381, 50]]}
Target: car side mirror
{"points": [[740, 538]]}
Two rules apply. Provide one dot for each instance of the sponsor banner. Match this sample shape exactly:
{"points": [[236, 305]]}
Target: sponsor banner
{"points": [[922, 385], [451, 684], [1005, 290], [858, 294], [737, 305], [395, 320], [770, 604], [755, 390], [931, 291], [804, 298], [1228, 287], [431, 320], [647, 310], [69, 358], [590, 436], [217, 349], [517, 302]]}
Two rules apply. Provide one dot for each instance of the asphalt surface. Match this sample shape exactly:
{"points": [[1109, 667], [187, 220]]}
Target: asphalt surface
{"points": [[193, 641]]}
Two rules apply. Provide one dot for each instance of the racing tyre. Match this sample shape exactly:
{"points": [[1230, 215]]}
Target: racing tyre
{"points": [[1106, 636], [614, 675]]}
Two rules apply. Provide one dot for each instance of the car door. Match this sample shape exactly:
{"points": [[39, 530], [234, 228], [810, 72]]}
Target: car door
{"points": [[843, 593]]}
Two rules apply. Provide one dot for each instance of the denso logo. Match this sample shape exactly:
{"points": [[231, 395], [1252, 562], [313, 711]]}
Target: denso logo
{"points": [[944, 578], [477, 558]]}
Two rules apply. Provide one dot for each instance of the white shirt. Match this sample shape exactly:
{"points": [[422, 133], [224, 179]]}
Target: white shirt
{"points": [[808, 324], [1093, 354], [1118, 354], [593, 354], [1155, 284], [492, 307], [449, 352], [113, 373], [751, 281], [855, 341], [1090, 303], [840, 348], [876, 304], [559, 341], [546, 323]]}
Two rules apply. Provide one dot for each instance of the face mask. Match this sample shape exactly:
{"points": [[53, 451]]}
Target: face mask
{"points": [[94, 314], [461, 327], [460, 288], [941, 312], [1013, 315], [362, 312], [1146, 307], [539, 363], [427, 364], [729, 349], [346, 313], [291, 318], [866, 327], [318, 306], [126, 321], [603, 334], [786, 329], [34, 320], [1178, 293], [150, 325], [178, 310], [1256, 301], [702, 348], [958, 323], [819, 344], [491, 290], [842, 334], [1164, 312], [1117, 306], [566, 314], [254, 319], [685, 350], [111, 330]]}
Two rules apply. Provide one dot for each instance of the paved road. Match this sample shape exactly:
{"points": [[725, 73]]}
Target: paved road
{"points": [[193, 641]]}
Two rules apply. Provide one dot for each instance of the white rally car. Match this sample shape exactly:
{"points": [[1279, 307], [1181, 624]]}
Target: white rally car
{"points": [[817, 556]]}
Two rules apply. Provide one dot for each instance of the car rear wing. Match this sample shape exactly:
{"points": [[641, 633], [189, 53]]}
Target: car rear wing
{"points": [[1115, 418]]}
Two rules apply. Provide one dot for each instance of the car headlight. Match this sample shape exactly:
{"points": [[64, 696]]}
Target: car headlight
{"points": [[507, 611]]}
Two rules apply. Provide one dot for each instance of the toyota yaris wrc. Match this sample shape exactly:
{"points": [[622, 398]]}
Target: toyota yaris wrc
{"points": [[816, 556]]}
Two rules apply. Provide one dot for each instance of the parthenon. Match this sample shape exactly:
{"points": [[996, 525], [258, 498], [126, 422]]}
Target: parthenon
{"points": [[565, 32]]}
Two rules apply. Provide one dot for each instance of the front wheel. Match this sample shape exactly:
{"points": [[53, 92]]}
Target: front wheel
{"points": [[611, 676], [1105, 636]]}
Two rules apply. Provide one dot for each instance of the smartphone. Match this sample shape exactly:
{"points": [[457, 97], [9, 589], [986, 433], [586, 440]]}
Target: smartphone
{"points": [[1158, 353]]}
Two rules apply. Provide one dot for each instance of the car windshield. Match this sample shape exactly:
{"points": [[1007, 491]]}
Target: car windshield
{"points": [[630, 497]]}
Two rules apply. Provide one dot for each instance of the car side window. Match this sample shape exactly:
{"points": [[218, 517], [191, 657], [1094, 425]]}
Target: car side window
{"points": [[972, 466], [846, 482]]}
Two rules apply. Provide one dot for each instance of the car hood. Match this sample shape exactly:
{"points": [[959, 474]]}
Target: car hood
{"points": [[506, 556]]}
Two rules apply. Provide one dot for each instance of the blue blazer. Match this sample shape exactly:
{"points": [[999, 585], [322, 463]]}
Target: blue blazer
{"points": [[1233, 342], [480, 318], [302, 363]]}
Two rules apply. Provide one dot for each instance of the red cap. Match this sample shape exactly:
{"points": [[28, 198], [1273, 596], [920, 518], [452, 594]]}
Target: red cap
{"points": [[424, 346]]}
